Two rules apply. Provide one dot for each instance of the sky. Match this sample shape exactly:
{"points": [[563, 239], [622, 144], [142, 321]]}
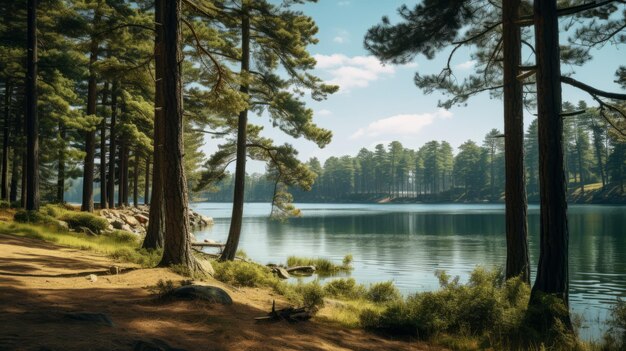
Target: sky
{"points": [[380, 103]]}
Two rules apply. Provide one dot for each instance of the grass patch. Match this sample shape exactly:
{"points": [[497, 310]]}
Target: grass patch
{"points": [[93, 222], [323, 266], [116, 245]]}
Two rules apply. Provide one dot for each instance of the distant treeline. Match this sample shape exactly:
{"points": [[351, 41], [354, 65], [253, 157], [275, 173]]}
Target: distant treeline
{"points": [[595, 158]]}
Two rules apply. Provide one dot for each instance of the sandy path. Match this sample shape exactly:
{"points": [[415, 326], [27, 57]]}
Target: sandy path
{"points": [[34, 299]]}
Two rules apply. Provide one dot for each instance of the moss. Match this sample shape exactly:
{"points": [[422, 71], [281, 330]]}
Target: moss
{"points": [[32, 217]]}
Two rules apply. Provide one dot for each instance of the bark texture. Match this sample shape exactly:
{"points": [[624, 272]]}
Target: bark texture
{"points": [[177, 249], [32, 120], [156, 225], [112, 147], [90, 136], [230, 250], [552, 272], [517, 261], [4, 185], [103, 152]]}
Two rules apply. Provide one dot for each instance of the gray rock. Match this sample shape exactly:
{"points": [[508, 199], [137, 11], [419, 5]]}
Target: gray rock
{"points": [[63, 225], [92, 278], [201, 292], [206, 266], [118, 224], [96, 318]]}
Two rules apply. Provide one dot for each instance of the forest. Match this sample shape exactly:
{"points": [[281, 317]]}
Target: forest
{"points": [[594, 160], [119, 97]]}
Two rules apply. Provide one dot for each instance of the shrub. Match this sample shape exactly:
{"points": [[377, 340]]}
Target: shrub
{"points": [[4, 204], [162, 288], [383, 292], [312, 294], [615, 337], [484, 307], [345, 289], [93, 222], [32, 217], [242, 273]]}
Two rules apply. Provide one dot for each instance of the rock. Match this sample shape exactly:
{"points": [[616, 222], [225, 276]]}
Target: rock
{"points": [[115, 270], [206, 267], [97, 318], [130, 220], [127, 228], [92, 278], [207, 220], [141, 218], [63, 225], [201, 292], [153, 345], [118, 224]]}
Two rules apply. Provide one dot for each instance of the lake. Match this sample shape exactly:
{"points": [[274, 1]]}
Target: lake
{"points": [[407, 243]]}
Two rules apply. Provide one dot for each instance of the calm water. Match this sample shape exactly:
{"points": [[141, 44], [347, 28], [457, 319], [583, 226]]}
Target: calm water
{"points": [[407, 243]]}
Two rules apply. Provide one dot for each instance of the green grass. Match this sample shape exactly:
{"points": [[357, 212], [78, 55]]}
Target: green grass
{"points": [[118, 245], [324, 267]]}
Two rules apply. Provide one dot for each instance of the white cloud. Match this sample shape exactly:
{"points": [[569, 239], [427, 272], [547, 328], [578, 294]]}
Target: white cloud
{"points": [[466, 65], [339, 39], [342, 36], [324, 112], [352, 72], [400, 125], [343, 3]]}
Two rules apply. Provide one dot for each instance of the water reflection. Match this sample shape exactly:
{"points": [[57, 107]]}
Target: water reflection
{"points": [[407, 243]]}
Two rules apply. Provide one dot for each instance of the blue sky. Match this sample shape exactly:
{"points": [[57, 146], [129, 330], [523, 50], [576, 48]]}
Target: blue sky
{"points": [[380, 103]]}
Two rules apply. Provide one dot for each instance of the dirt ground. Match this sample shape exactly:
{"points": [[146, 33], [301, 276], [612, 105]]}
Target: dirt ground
{"points": [[37, 290]]}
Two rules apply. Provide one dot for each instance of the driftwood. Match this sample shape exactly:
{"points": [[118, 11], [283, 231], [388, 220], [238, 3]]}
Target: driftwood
{"points": [[281, 272], [289, 314], [301, 269], [221, 246]]}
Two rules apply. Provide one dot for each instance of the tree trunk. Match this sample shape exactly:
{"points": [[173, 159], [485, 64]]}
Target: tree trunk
{"points": [[23, 189], [156, 223], [61, 168], [32, 121], [230, 249], [14, 175], [120, 177], [146, 188], [103, 152], [177, 249], [552, 272], [4, 185], [517, 259], [90, 136], [112, 147], [136, 180]]}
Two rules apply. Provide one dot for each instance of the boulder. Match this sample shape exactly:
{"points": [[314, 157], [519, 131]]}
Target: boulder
{"points": [[130, 220], [63, 225], [202, 292], [118, 224], [206, 266], [92, 278], [141, 218]]}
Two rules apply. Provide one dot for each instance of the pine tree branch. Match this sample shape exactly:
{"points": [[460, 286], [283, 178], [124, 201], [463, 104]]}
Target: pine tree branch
{"points": [[591, 90]]}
